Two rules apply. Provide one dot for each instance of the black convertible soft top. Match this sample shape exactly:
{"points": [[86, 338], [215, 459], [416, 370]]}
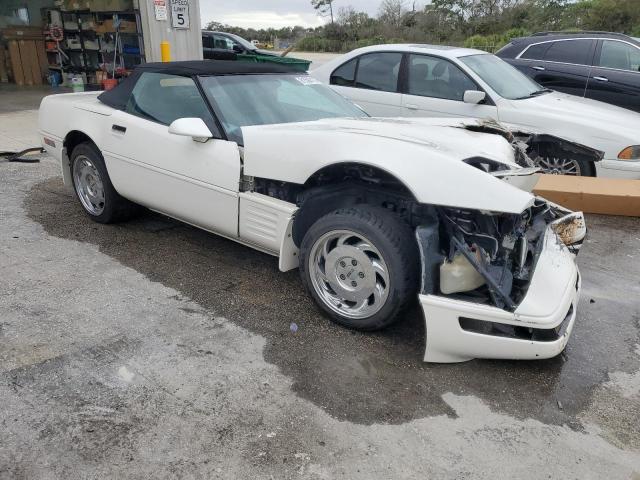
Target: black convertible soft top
{"points": [[118, 97]]}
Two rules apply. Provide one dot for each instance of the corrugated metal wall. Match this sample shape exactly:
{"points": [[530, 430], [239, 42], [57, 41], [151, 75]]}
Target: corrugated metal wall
{"points": [[185, 44]]}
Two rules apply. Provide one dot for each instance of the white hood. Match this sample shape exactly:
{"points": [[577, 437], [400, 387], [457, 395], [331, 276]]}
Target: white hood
{"points": [[435, 134], [424, 154], [589, 122]]}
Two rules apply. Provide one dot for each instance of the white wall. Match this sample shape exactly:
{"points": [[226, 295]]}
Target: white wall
{"points": [[185, 44]]}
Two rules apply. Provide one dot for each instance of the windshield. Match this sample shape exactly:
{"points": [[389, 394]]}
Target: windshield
{"points": [[505, 80], [241, 41], [244, 100]]}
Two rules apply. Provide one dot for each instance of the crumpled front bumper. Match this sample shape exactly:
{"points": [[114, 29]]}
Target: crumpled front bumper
{"points": [[458, 331]]}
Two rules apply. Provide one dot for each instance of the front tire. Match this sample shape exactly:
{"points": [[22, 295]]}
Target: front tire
{"points": [[94, 189], [361, 266]]}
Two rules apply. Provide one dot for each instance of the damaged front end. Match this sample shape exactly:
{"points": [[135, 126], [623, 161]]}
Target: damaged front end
{"points": [[551, 154], [497, 285]]}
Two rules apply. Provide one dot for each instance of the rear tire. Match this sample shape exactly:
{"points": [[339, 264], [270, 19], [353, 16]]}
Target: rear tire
{"points": [[94, 189], [361, 266]]}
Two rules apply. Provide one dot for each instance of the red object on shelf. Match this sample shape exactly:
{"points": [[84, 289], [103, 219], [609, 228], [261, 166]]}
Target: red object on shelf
{"points": [[109, 83]]}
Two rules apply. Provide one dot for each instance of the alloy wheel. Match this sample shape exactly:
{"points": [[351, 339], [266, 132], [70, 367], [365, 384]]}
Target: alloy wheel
{"points": [[88, 185], [349, 274], [558, 166]]}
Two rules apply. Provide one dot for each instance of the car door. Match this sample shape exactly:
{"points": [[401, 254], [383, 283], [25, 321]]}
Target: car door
{"points": [[189, 180], [435, 88], [208, 46], [371, 81], [530, 60], [615, 76], [561, 65]]}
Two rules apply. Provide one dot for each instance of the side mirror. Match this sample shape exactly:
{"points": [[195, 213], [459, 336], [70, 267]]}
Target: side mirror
{"points": [[191, 127], [238, 49], [473, 96]]}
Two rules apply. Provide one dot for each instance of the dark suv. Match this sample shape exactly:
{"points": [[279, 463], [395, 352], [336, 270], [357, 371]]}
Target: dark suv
{"points": [[598, 65]]}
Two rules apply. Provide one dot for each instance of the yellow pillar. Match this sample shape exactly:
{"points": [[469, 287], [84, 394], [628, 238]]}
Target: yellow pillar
{"points": [[165, 51]]}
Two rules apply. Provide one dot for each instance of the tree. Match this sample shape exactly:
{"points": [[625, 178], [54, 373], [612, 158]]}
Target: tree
{"points": [[324, 8], [609, 15], [357, 24], [214, 26], [391, 12]]}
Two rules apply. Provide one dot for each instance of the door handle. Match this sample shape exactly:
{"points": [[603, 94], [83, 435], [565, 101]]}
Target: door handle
{"points": [[540, 69], [601, 79], [411, 106], [118, 128]]}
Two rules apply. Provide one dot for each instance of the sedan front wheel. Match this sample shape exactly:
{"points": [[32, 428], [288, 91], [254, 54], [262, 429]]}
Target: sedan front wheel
{"points": [[565, 166]]}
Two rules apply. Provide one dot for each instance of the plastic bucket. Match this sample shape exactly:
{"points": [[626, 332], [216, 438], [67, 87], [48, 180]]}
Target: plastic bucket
{"points": [[77, 85], [55, 79], [109, 83]]}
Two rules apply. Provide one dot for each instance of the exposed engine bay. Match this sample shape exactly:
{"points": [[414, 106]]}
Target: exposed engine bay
{"points": [[481, 257], [489, 258]]}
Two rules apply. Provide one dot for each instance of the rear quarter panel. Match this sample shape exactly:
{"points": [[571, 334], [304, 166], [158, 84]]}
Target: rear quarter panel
{"points": [[59, 115]]}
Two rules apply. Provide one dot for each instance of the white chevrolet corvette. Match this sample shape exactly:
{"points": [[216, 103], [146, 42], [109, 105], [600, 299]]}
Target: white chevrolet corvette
{"points": [[376, 213]]}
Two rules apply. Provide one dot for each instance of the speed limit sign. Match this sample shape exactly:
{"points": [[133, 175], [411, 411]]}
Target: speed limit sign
{"points": [[180, 13]]}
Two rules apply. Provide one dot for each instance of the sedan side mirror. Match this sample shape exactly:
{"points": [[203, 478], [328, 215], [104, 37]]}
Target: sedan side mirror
{"points": [[473, 96], [191, 127]]}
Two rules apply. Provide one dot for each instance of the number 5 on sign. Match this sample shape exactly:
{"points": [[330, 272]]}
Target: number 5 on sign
{"points": [[180, 13]]}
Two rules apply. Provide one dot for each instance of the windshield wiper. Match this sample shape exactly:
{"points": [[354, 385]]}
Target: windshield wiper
{"points": [[535, 94]]}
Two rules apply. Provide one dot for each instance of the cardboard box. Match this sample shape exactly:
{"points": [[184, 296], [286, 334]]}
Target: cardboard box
{"points": [[609, 196], [27, 60], [22, 33], [127, 26], [110, 5], [104, 26], [4, 74], [70, 5], [98, 5], [107, 26]]}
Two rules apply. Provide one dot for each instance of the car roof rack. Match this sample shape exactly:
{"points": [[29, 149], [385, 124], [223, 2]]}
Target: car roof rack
{"points": [[580, 32]]}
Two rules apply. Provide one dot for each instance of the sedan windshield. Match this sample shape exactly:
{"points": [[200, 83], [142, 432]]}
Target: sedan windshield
{"points": [[244, 100], [505, 80]]}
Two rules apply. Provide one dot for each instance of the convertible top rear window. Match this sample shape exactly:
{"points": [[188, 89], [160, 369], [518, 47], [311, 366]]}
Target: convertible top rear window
{"points": [[119, 96]]}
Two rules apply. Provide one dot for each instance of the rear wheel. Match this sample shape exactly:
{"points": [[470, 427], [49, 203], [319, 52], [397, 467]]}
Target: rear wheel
{"points": [[360, 264], [94, 189]]}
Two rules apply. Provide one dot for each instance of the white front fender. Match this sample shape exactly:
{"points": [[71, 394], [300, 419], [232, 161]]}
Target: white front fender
{"points": [[433, 172]]}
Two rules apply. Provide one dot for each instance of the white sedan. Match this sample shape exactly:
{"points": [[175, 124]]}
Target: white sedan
{"points": [[439, 81], [376, 213]]}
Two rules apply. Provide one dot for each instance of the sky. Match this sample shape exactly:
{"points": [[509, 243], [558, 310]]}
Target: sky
{"points": [[274, 13]]}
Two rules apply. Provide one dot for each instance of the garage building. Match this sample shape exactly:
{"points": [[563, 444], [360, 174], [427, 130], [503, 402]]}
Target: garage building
{"points": [[92, 44]]}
